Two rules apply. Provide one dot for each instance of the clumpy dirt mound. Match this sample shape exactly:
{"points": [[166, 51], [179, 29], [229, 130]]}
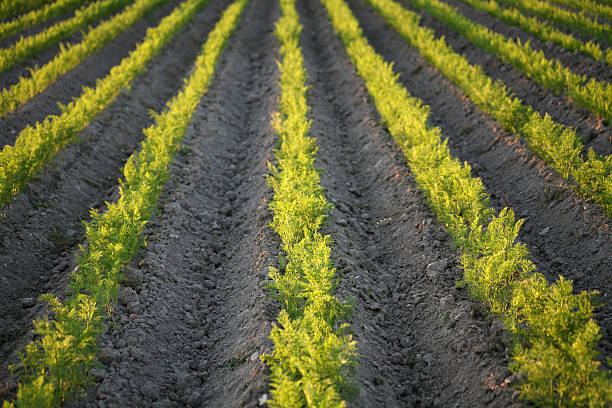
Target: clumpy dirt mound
{"points": [[194, 316]]}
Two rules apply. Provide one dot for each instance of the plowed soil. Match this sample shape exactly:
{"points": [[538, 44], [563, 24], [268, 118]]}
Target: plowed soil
{"points": [[193, 317]]}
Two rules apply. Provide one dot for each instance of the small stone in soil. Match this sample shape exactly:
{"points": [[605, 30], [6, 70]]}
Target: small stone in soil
{"points": [[27, 302], [108, 355], [544, 232], [133, 277], [435, 269], [151, 391]]}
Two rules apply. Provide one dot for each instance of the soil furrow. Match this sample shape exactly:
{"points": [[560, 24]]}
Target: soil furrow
{"points": [[189, 330], [70, 85], [42, 228], [596, 132], [566, 234], [418, 337]]}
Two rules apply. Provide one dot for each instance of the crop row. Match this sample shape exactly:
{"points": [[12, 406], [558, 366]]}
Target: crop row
{"points": [[555, 144], [26, 47], [577, 22], [312, 361], [595, 96], [36, 146], [555, 331], [37, 16], [57, 365], [541, 29], [589, 6], [72, 55], [8, 8]]}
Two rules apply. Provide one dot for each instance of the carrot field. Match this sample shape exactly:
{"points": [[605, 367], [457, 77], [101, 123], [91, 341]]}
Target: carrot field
{"points": [[306, 203]]}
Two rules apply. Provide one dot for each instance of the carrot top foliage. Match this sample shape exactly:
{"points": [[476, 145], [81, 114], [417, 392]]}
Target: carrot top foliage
{"points": [[557, 145], [555, 334], [312, 361], [57, 365]]}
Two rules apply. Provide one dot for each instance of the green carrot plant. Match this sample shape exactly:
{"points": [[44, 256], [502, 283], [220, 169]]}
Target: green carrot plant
{"points": [[312, 361], [37, 16], [554, 143], [589, 6], [69, 56], [554, 329], [57, 365], [577, 22], [9, 8], [37, 146], [594, 96], [26, 47], [541, 29]]}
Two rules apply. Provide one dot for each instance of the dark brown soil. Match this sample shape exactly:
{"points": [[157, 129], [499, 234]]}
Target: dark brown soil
{"points": [[566, 234], [70, 85], [193, 317], [42, 228]]}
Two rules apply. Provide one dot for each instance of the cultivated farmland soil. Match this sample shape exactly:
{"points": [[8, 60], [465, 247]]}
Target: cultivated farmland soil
{"points": [[193, 316]]}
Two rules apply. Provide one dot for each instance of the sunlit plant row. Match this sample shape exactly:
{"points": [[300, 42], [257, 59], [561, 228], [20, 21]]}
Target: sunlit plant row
{"points": [[28, 46], [313, 355], [554, 330], [56, 366], [554, 143], [37, 146], [37, 16]]}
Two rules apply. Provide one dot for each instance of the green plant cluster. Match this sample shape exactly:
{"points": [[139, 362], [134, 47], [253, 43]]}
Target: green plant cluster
{"points": [[314, 356], [9, 8], [37, 16], [541, 29], [604, 2], [70, 56], [37, 146], [26, 47], [577, 22], [589, 6], [554, 329], [594, 96], [57, 365], [554, 143]]}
